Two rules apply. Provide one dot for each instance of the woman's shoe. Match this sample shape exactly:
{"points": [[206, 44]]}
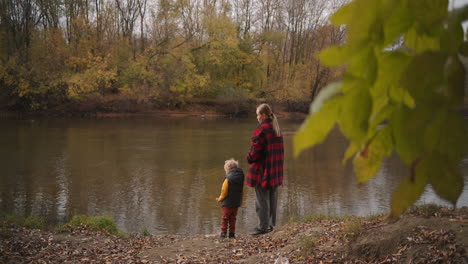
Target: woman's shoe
{"points": [[260, 232], [232, 235], [222, 235]]}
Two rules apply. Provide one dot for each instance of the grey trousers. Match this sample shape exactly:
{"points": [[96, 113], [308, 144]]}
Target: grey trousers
{"points": [[265, 205]]}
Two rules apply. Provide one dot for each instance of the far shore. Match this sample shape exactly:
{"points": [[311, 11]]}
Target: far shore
{"points": [[294, 111], [197, 112]]}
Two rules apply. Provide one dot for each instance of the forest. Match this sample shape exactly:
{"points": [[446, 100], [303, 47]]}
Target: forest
{"points": [[130, 55]]}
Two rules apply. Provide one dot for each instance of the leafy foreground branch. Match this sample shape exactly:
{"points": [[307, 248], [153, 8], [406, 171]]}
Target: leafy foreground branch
{"points": [[427, 234], [402, 91]]}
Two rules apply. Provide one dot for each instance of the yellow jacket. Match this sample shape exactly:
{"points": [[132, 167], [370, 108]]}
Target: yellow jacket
{"points": [[224, 192]]}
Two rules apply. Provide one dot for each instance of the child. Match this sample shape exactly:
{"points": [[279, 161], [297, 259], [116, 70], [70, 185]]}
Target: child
{"points": [[231, 196]]}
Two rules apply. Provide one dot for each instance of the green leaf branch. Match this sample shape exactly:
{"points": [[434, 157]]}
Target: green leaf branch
{"points": [[404, 98]]}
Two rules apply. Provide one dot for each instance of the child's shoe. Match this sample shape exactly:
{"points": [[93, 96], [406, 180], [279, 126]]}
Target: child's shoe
{"points": [[232, 235], [223, 234]]}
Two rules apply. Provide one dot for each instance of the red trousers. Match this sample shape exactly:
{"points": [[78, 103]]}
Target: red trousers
{"points": [[228, 218]]}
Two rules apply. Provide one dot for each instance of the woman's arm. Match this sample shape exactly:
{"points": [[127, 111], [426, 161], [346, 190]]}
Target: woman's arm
{"points": [[257, 146]]}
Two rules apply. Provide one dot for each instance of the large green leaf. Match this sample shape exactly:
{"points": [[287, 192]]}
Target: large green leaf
{"points": [[364, 64], [462, 13], [424, 75], [325, 94], [434, 131], [380, 118], [428, 14], [351, 82], [362, 21], [379, 103], [446, 135], [350, 151], [444, 176], [407, 125], [409, 190], [456, 81], [344, 14], [401, 96], [453, 142], [369, 160], [399, 20], [391, 66], [333, 56], [421, 42], [354, 117], [317, 125], [464, 48], [452, 38]]}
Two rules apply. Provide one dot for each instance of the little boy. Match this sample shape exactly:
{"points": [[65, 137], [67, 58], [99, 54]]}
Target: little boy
{"points": [[231, 196]]}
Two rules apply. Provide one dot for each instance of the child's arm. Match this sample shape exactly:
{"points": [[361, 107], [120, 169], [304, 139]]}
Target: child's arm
{"points": [[224, 191]]}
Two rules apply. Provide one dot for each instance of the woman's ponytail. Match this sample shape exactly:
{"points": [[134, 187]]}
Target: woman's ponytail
{"points": [[276, 125], [266, 109]]}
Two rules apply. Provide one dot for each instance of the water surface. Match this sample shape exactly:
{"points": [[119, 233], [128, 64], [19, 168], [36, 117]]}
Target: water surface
{"points": [[164, 174]]}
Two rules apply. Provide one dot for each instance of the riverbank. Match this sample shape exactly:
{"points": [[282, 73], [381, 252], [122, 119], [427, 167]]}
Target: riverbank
{"points": [[426, 235], [194, 108], [197, 109]]}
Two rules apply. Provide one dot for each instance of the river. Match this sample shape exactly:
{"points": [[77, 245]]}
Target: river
{"points": [[163, 174]]}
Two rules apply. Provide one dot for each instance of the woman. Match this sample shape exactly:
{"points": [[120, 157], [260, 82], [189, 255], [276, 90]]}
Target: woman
{"points": [[265, 173]]}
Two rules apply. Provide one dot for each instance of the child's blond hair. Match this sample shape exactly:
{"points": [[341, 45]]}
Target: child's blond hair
{"points": [[230, 164]]}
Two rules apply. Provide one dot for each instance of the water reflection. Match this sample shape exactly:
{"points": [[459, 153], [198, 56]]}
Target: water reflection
{"points": [[164, 174], [320, 183]]}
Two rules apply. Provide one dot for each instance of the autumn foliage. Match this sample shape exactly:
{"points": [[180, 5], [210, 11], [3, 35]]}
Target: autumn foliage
{"points": [[162, 54]]}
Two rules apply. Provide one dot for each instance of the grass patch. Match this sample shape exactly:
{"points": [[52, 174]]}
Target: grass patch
{"points": [[145, 232], [307, 243], [293, 219], [33, 222], [315, 217], [353, 226], [425, 209], [346, 217], [15, 219], [78, 220], [62, 228], [374, 217], [98, 223]]}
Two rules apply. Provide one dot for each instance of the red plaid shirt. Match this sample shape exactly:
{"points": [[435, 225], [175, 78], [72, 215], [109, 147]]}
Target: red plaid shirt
{"points": [[265, 157]]}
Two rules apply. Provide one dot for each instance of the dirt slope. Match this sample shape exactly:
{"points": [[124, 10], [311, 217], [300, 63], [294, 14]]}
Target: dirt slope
{"points": [[436, 237]]}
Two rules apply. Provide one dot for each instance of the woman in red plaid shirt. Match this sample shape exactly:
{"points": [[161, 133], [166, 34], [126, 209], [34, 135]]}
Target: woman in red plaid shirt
{"points": [[265, 173]]}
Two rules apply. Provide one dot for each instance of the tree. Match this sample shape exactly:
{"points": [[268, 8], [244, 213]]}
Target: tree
{"points": [[142, 12], [193, 48], [404, 100], [243, 13], [18, 18]]}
